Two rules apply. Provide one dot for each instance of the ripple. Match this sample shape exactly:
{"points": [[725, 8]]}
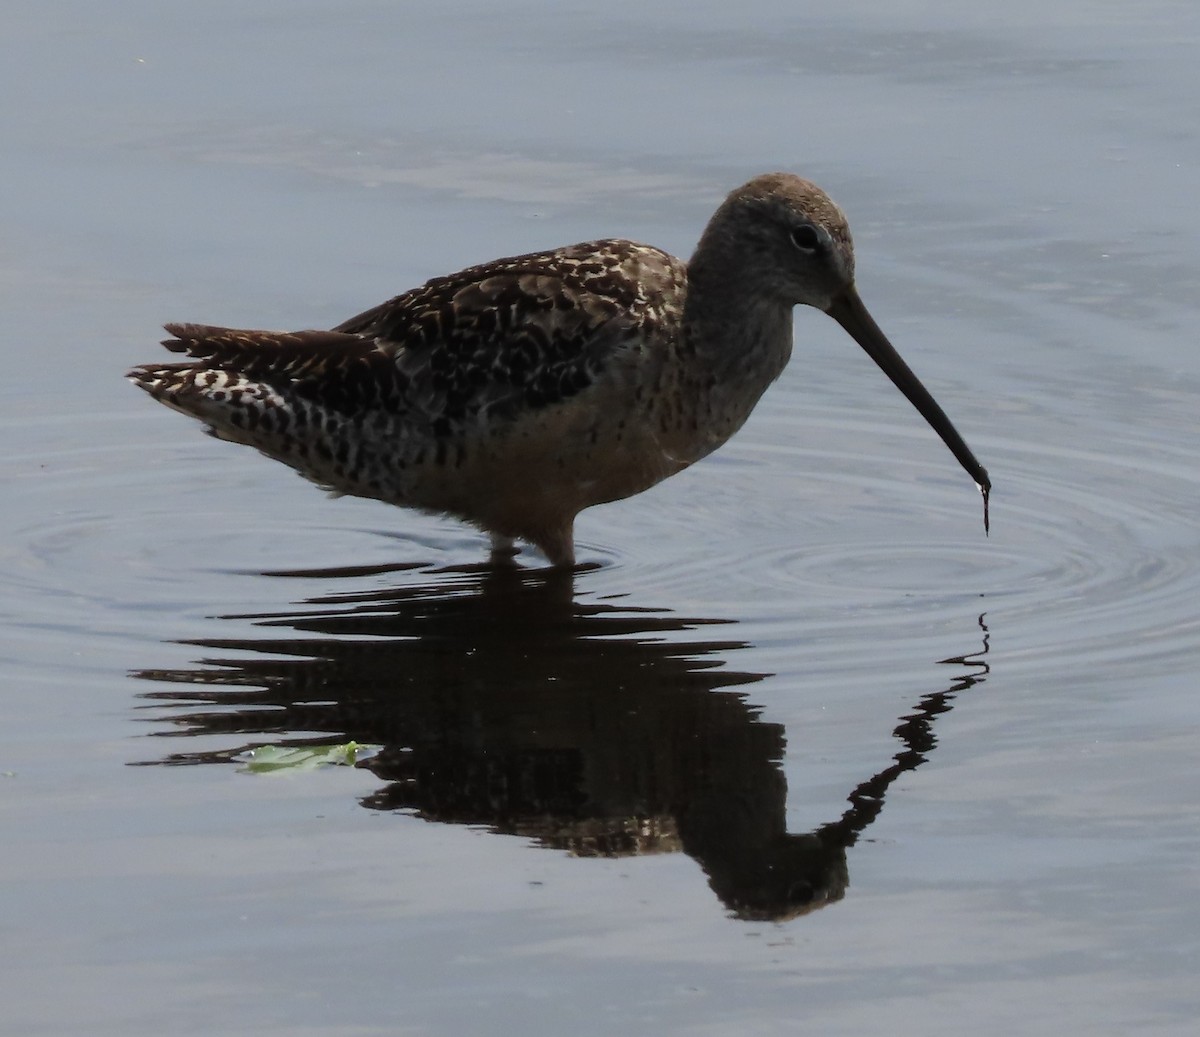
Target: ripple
{"points": [[1093, 552], [846, 534]]}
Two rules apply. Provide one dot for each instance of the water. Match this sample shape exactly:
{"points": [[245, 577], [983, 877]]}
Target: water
{"points": [[800, 750]]}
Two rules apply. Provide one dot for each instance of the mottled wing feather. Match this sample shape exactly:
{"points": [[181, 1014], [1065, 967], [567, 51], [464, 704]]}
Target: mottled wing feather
{"points": [[343, 372], [518, 333], [489, 342]]}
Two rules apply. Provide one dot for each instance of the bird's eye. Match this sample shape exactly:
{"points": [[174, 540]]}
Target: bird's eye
{"points": [[806, 237]]}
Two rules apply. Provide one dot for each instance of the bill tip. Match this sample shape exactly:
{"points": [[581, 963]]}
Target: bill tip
{"points": [[985, 491]]}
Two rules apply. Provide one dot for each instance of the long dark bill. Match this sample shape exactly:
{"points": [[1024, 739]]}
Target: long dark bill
{"points": [[848, 310]]}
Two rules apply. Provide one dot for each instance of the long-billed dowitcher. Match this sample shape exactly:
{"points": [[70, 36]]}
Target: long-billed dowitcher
{"points": [[515, 394]]}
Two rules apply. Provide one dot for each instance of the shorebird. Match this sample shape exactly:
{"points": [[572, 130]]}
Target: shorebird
{"points": [[514, 394]]}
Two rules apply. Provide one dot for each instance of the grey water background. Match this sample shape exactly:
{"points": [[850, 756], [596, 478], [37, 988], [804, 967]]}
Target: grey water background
{"points": [[802, 751]]}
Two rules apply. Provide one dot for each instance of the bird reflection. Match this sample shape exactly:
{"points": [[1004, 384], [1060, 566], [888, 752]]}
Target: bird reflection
{"points": [[510, 699]]}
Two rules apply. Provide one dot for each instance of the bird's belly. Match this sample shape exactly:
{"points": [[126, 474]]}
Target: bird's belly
{"points": [[542, 470]]}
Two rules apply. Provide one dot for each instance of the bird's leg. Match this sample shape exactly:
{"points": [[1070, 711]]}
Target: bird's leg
{"points": [[558, 545], [503, 549]]}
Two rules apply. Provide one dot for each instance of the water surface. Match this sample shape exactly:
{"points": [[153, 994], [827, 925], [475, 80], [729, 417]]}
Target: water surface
{"points": [[798, 748]]}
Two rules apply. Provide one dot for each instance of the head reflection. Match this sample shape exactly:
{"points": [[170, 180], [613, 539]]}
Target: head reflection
{"points": [[509, 699]]}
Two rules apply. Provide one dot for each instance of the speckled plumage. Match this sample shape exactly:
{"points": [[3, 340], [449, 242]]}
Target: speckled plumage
{"points": [[516, 393]]}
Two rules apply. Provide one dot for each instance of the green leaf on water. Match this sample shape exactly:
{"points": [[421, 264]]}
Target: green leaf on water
{"points": [[269, 759]]}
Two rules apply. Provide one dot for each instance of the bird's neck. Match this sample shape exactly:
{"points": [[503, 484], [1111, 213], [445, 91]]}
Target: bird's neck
{"points": [[739, 335], [737, 343]]}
